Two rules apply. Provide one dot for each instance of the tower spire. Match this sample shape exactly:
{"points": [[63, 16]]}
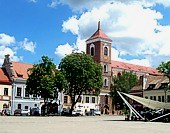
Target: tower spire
{"points": [[99, 25]]}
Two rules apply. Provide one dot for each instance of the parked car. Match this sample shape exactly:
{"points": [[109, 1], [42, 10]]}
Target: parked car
{"points": [[25, 112], [74, 113], [17, 112], [97, 112], [80, 112], [35, 111]]}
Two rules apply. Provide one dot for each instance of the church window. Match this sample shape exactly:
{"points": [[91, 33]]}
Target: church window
{"points": [[92, 50], [106, 82], [105, 51], [105, 68]]}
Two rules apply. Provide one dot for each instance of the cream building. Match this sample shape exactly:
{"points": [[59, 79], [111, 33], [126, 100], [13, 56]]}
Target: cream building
{"points": [[5, 91], [155, 89]]}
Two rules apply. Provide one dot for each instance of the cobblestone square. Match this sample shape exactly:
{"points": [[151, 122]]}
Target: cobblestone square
{"points": [[86, 124]]}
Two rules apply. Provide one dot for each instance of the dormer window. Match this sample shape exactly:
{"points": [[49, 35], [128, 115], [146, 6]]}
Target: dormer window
{"points": [[92, 50]]}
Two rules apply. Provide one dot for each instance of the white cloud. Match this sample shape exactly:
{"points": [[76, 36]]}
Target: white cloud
{"points": [[28, 45], [8, 45], [34, 1], [63, 50], [81, 5], [71, 24], [131, 27], [13, 54], [6, 39]]}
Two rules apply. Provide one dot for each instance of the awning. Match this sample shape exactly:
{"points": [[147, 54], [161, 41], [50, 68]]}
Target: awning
{"points": [[149, 103]]}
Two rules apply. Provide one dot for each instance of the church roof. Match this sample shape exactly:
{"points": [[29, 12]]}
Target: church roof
{"points": [[21, 69], [133, 67], [99, 34]]}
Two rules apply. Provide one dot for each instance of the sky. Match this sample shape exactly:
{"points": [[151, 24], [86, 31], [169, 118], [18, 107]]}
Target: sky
{"points": [[139, 29]]}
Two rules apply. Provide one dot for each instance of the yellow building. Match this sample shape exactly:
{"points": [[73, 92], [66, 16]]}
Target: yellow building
{"points": [[5, 90]]}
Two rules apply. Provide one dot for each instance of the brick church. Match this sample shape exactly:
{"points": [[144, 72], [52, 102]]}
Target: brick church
{"points": [[99, 47]]}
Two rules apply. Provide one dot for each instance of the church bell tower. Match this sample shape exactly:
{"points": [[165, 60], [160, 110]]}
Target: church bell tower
{"points": [[99, 47]]}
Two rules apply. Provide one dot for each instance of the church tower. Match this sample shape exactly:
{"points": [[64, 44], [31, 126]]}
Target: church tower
{"points": [[99, 47]]}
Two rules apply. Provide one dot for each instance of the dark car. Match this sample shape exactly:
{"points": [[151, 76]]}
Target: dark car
{"points": [[17, 112], [34, 111]]}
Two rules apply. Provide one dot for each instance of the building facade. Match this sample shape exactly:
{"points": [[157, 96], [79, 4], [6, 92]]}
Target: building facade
{"points": [[5, 91], [20, 98], [156, 88]]}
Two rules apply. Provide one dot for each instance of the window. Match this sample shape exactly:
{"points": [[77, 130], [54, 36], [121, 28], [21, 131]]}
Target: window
{"points": [[5, 91], [19, 106], [154, 98], [159, 98], [105, 82], [26, 107], [105, 68], [119, 74], [151, 97], [26, 93], [87, 99], [65, 99], [168, 98], [105, 51], [92, 51], [93, 99], [163, 99], [19, 91]]}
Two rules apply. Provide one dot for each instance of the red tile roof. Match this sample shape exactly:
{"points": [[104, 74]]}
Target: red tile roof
{"points": [[99, 34], [20, 69], [3, 77], [133, 67]]}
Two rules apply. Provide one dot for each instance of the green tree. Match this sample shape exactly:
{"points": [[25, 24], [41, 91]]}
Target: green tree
{"points": [[164, 68], [43, 79], [122, 83], [83, 76]]}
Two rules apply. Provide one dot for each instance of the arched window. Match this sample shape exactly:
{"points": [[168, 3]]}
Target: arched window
{"points": [[105, 51], [106, 82], [105, 67], [119, 74], [92, 50]]}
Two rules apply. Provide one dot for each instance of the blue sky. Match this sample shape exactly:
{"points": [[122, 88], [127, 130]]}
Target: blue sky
{"points": [[32, 28]]}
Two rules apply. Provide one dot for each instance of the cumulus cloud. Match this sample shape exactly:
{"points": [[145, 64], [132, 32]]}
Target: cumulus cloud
{"points": [[63, 50], [13, 54], [9, 45], [6, 39], [81, 5], [28, 45], [34, 1], [71, 25], [133, 28]]}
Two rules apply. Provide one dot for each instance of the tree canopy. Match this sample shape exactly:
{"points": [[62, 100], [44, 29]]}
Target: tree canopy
{"points": [[164, 68], [43, 79], [122, 83], [82, 74]]}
